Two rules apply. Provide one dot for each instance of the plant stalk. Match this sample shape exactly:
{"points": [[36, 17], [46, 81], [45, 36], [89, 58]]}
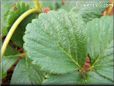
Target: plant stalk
{"points": [[13, 28], [37, 5], [17, 22]]}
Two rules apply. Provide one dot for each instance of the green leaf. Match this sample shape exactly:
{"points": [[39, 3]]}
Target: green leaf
{"points": [[17, 37], [55, 42], [12, 15], [5, 8], [27, 73], [90, 9], [10, 51], [104, 64], [75, 78], [100, 45], [53, 5], [100, 49], [1, 73], [10, 57], [76, 5], [100, 36], [8, 61], [59, 42], [95, 78], [5, 5]]}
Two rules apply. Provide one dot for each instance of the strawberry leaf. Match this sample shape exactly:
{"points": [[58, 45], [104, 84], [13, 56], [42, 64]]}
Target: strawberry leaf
{"points": [[95, 78], [57, 42], [100, 49], [52, 4], [90, 9], [75, 78], [27, 73], [100, 36], [8, 61], [12, 15], [100, 45]]}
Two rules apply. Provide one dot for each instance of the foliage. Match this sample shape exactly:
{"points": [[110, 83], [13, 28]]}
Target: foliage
{"points": [[27, 73], [10, 18], [61, 42], [69, 44]]}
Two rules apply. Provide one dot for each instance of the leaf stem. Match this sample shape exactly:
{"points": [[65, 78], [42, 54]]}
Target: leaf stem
{"points": [[23, 54], [37, 5], [13, 28]]}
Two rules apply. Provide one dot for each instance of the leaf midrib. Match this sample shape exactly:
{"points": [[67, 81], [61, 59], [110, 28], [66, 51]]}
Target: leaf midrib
{"points": [[70, 57]]}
